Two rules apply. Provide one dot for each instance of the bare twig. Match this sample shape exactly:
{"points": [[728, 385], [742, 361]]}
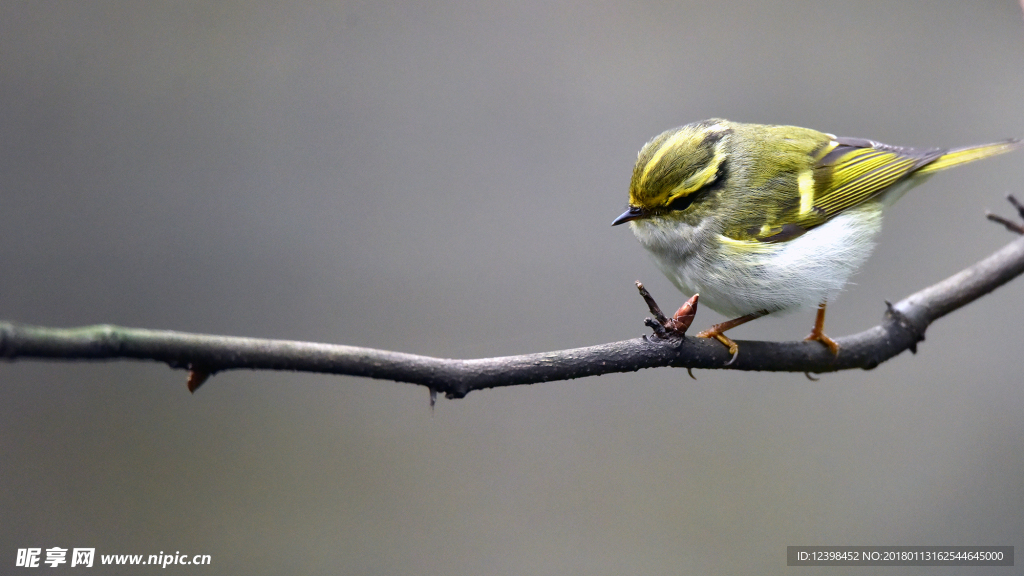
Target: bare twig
{"points": [[1009, 224], [659, 316], [668, 327], [902, 327]]}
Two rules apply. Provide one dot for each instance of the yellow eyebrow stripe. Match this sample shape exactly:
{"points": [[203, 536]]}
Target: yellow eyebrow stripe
{"points": [[662, 150], [700, 179], [674, 141]]}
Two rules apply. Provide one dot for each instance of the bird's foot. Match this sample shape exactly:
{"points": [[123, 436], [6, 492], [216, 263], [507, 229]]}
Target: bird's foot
{"points": [[716, 333], [818, 332], [829, 343]]}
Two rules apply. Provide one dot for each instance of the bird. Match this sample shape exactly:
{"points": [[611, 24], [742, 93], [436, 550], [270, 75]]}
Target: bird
{"points": [[765, 219]]}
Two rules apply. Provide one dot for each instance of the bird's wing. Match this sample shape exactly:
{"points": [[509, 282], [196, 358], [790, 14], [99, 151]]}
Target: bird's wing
{"points": [[856, 170], [846, 173]]}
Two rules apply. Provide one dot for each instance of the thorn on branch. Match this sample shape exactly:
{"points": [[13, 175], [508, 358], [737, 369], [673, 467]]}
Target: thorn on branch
{"points": [[196, 377], [663, 326], [1009, 224]]}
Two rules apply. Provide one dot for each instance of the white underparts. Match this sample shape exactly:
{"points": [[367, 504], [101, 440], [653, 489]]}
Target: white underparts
{"points": [[736, 278]]}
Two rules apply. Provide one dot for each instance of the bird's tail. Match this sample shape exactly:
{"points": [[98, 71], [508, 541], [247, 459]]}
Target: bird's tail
{"points": [[960, 156]]}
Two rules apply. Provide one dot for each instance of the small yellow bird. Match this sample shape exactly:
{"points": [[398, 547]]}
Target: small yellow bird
{"points": [[760, 219]]}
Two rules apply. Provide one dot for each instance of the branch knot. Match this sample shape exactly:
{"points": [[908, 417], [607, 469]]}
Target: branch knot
{"points": [[894, 316]]}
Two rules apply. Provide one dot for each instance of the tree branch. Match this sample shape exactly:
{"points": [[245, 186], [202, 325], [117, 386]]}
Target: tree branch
{"points": [[903, 326]]}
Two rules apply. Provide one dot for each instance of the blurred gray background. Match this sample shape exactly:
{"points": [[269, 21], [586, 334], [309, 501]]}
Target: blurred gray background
{"points": [[439, 178]]}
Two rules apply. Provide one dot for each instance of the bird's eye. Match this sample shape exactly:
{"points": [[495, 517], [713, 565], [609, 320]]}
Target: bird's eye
{"points": [[682, 202], [713, 182]]}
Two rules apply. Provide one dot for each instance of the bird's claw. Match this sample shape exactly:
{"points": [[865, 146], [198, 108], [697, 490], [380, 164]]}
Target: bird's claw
{"points": [[734, 348], [829, 343]]}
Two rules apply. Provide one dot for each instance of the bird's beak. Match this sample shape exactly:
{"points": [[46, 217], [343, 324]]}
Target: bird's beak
{"points": [[633, 213]]}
